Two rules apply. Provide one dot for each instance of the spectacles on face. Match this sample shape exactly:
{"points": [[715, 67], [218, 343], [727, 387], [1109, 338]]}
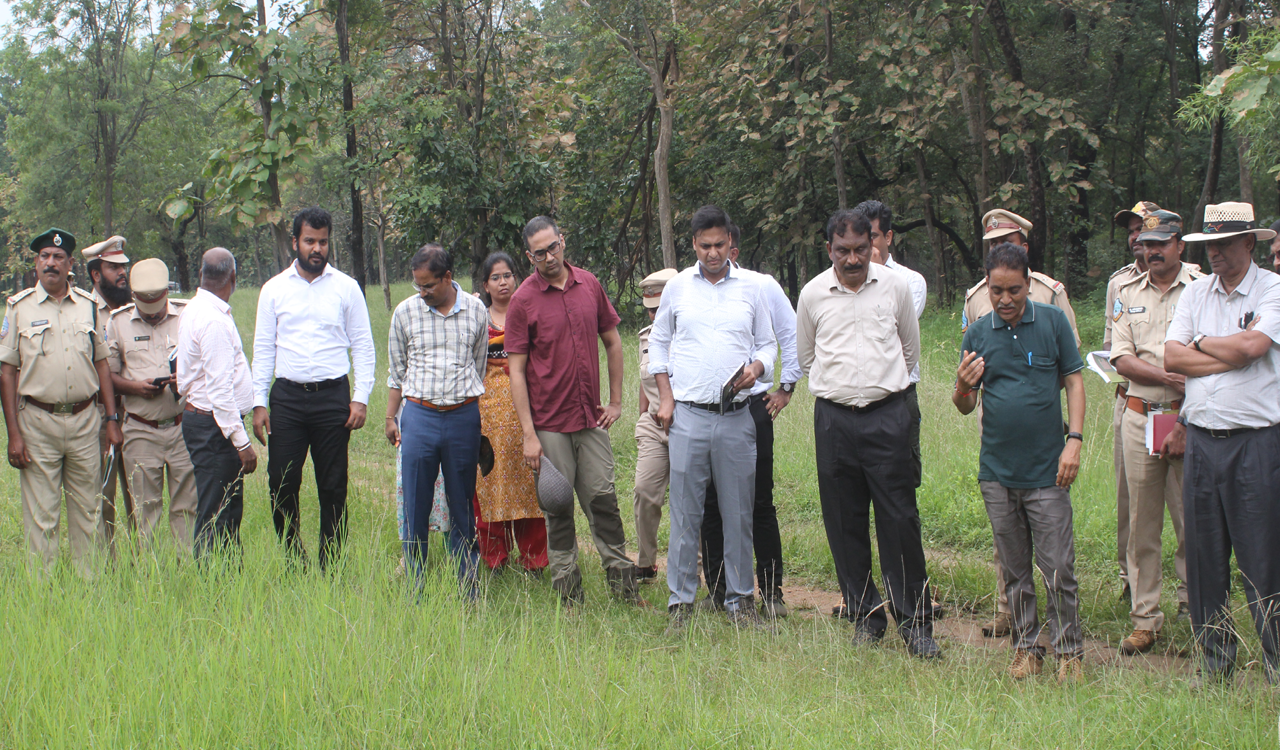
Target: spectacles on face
{"points": [[553, 249], [500, 277]]}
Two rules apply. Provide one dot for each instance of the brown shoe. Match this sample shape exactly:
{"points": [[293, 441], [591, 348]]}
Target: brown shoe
{"points": [[1026, 663], [999, 627], [1139, 642], [1070, 670]]}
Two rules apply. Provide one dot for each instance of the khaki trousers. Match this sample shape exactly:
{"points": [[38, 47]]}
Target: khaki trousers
{"points": [[147, 453], [64, 457], [1123, 492], [1155, 483], [585, 458], [653, 470]]}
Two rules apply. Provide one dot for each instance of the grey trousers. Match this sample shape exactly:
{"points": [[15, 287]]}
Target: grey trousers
{"points": [[706, 447], [585, 458], [1037, 520]]}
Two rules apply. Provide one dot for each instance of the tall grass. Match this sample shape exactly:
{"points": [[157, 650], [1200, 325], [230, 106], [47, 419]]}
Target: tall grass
{"points": [[158, 653]]}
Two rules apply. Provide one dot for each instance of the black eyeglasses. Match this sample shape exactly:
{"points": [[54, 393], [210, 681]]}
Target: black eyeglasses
{"points": [[553, 249]]}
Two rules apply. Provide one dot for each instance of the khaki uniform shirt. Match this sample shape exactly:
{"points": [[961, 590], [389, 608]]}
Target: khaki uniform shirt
{"points": [[1143, 317], [648, 382], [1117, 280], [1044, 290], [54, 345], [104, 313], [137, 350]]}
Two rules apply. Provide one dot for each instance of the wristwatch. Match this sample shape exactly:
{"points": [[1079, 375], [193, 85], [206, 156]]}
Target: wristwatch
{"points": [[1075, 435], [1196, 341], [112, 418], [787, 388], [1181, 420]]}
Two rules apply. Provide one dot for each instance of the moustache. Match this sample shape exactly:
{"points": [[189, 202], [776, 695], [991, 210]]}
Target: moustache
{"points": [[51, 269], [1157, 257]]}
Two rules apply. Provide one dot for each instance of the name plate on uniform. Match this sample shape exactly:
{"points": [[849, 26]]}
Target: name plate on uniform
{"points": [[141, 338]]}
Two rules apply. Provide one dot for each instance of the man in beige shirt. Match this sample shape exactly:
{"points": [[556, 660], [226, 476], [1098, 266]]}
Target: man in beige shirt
{"points": [[1145, 307], [858, 339], [141, 341], [653, 464], [52, 366]]}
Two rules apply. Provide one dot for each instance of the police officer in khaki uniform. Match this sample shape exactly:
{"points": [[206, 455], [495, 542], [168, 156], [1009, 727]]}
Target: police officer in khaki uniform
{"points": [[653, 465], [108, 269], [1146, 306], [141, 338], [1129, 220], [1005, 226], [52, 365]]}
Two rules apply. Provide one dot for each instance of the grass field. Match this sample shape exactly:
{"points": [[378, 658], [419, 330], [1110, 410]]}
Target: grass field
{"points": [[155, 653]]}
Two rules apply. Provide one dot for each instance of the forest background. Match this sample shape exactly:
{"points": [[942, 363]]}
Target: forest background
{"points": [[186, 126]]}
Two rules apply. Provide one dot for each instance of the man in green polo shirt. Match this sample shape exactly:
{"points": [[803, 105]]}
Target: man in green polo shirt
{"points": [[1019, 355]]}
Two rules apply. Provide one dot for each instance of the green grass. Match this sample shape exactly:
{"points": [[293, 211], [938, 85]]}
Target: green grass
{"points": [[155, 653]]}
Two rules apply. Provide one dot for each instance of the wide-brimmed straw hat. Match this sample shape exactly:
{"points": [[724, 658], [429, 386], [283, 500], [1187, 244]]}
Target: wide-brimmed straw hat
{"points": [[1225, 220]]}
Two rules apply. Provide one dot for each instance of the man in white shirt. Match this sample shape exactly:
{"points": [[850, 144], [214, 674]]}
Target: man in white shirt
{"points": [[213, 375], [764, 407], [712, 324], [310, 317]]}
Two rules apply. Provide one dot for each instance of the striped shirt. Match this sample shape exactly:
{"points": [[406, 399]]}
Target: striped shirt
{"points": [[439, 358]]}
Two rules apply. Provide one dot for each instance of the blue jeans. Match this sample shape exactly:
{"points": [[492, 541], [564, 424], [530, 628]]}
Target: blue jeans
{"points": [[433, 442]]}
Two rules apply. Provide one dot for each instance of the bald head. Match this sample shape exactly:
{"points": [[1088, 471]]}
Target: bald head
{"points": [[218, 270]]}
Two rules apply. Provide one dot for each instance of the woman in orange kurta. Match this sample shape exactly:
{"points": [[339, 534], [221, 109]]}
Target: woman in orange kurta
{"points": [[506, 501]]}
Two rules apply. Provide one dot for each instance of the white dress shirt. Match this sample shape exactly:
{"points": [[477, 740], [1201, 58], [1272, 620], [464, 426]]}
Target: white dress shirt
{"points": [[783, 318], [212, 371], [919, 297], [305, 329], [704, 332], [1243, 398]]}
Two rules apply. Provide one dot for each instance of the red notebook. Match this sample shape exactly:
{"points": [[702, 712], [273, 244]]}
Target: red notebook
{"points": [[1161, 426]]}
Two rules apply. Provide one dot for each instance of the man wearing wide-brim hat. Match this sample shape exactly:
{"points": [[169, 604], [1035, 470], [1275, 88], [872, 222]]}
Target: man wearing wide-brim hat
{"points": [[142, 339], [653, 464], [52, 367], [1001, 226], [1225, 338], [108, 269]]}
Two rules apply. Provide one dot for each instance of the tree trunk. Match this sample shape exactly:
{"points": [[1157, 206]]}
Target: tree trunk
{"points": [[382, 261], [661, 156], [939, 252], [282, 244], [1246, 172], [355, 237], [1221, 12], [837, 148]]}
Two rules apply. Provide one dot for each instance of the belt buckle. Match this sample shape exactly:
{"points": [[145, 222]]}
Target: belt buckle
{"points": [[63, 408], [311, 387], [166, 422]]}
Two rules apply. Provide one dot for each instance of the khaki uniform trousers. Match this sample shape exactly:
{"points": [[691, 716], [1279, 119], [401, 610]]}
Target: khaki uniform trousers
{"points": [[1154, 484], [108, 491], [585, 458], [1122, 486], [147, 452], [64, 456], [653, 471]]}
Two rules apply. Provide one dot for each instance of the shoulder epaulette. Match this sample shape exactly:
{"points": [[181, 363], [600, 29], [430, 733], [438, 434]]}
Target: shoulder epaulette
{"points": [[83, 293], [179, 302], [974, 289], [1121, 270], [122, 308], [644, 330], [1131, 282], [1048, 281], [1196, 273], [15, 299]]}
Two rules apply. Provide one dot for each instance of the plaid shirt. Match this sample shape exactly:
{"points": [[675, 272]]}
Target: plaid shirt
{"points": [[439, 358]]}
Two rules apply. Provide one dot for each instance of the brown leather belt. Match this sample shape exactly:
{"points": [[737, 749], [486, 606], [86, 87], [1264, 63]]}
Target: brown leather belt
{"points": [[1121, 391], [201, 412], [64, 408], [433, 407], [1145, 407], [176, 420]]}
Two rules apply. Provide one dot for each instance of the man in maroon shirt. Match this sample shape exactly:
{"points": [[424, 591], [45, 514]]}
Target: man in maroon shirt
{"points": [[552, 325]]}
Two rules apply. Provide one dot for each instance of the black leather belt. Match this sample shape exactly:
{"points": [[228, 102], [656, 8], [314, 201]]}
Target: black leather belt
{"points": [[1224, 434], [321, 385], [869, 407], [715, 408]]}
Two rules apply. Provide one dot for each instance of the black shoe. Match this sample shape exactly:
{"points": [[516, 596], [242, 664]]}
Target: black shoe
{"points": [[923, 646], [1210, 680], [772, 606], [865, 635], [713, 602], [647, 575], [679, 616], [746, 616], [936, 611]]}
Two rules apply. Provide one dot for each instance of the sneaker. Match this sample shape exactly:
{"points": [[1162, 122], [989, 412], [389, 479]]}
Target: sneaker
{"points": [[711, 603], [923, 647], [1070, 670], [678, 616], [999, 627], [772, 606], [647, 575], [864, 635], [745, 616], [1026, 663], [1139, 642]]}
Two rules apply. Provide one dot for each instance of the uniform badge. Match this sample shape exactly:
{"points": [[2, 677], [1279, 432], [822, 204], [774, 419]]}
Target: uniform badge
{"points": [[1117, 310], [4, 327], [1151, 222], [1136, 310], [57, 239]]}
